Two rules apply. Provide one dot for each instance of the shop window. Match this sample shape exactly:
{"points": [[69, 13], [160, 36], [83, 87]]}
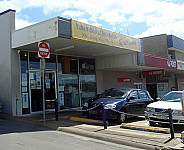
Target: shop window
{"points": [[34, 61], [68, 93], [171, 54], [87, 66], [50, 64], [24, 82], [68, 90], [87, 79], [67, 65], [138, 85]]}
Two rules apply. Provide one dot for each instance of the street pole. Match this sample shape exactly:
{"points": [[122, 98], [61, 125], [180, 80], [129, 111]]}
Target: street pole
{"points": [[43, 82], [171, 123], [43, 52]]}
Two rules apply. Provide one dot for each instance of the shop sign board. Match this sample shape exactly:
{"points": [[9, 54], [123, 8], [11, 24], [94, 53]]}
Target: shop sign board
{"points": [[159, 62], [124, 79], [153, 72], [180, 65], [89, 33], [43, 50]]}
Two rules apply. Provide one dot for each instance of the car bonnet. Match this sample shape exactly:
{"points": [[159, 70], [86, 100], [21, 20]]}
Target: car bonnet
{"points": [[107, 101], [166, 105]]}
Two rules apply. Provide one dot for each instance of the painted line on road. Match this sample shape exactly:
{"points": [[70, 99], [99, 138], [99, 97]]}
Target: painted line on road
{"points": [[145, 128]]}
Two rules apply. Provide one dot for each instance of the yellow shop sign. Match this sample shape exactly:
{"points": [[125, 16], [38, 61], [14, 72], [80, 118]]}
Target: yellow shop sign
{"points": [[89, 33]]}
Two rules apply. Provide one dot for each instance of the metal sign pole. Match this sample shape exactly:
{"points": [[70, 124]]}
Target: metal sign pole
{"points": [[43, 80], [43, 52]]}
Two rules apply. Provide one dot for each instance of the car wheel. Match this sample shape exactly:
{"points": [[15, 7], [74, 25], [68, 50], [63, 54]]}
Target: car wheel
{"points": [[152, 123], [122, 117]]}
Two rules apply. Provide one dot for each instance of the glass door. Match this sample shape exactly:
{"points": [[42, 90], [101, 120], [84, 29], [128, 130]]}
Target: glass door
{"points": [[50, 89], [36, 91], [36, 96]]}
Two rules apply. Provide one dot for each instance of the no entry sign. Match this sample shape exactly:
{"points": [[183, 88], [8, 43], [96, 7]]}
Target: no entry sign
{"points": [[43, 50]]}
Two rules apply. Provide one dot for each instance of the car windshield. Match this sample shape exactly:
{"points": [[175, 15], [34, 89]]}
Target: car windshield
{"points": [[172, 97], [115, 93]]}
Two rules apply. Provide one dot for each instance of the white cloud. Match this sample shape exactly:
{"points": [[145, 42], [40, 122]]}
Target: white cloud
{"points": [[84, 20], [158, 15], [97, 25], [172, 28], [22, 23], [72, 14]]}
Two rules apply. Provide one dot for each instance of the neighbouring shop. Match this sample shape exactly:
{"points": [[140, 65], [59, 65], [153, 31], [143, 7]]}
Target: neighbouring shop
{"points": [[159, 82]]}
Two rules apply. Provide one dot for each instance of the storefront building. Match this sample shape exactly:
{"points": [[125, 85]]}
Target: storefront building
{"points": [[84, 61], [162, 58]]}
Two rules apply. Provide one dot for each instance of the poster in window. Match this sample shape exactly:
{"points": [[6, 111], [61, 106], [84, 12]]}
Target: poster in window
{"points": [[38, 75], [47, 82], [61, 98], [38, 81], [83, 66], [24, 79], [31, 75], [33, 84], [25, 100], [24, 88], [61, 88]]}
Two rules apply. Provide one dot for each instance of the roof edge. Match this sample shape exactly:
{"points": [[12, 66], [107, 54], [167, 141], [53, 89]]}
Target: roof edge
{"points": [[6, 11]]}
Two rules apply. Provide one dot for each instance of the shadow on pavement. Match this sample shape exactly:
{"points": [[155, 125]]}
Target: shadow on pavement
{"points": [[34, 122]]}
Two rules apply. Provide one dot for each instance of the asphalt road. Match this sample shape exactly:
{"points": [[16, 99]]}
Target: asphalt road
{"points": [[20, 136]]}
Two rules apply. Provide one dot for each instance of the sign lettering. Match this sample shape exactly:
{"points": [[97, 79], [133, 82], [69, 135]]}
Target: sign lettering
{"points": [[153, 72], [124, 79]]}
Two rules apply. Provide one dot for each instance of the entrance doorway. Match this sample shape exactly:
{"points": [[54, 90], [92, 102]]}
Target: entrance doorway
{"points": [[36, 91], [50, 89], [152, 89], [157, 90]]}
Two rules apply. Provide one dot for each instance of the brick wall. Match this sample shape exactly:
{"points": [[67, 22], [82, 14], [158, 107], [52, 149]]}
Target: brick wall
{"points": [[156, 45]]}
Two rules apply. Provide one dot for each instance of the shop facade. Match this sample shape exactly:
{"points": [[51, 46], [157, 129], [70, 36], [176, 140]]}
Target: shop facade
{"points": [[70, 80], [84, 61], [162, 58]]}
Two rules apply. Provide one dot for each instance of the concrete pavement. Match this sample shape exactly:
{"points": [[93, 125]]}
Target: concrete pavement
{"points": [[74, 122]]}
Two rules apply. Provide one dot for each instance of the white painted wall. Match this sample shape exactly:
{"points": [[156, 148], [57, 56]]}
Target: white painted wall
{"points": [[117, 61], [38, 32], [9, 65], [109, 79]]}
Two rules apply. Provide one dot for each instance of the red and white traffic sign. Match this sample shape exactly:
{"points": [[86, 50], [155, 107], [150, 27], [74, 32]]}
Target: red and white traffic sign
{"points": [[43, 50]]}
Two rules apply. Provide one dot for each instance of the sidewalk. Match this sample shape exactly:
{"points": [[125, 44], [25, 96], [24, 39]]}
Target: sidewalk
{"points": [[95, 129]]}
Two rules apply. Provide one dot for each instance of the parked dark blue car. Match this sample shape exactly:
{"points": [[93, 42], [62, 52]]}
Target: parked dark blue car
{"points": [[133, 101]]}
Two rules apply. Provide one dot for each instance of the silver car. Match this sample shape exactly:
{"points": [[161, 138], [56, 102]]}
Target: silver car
{"points": [[157, 112]]}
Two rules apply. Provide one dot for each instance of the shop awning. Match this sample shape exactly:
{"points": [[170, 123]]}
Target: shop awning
{"points": [[66, 40]]}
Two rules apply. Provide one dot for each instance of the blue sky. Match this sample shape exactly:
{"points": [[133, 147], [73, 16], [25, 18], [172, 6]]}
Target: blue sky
{"points": [[137, 18]]}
